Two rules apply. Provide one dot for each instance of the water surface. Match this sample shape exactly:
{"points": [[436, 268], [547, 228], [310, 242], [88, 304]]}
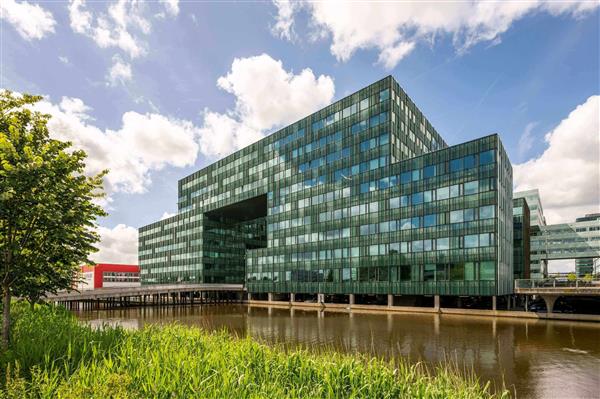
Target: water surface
{"points": [[533, 358]]}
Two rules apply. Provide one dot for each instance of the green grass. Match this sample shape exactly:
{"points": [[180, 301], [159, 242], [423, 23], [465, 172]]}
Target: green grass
{"points": [[54, 356]]}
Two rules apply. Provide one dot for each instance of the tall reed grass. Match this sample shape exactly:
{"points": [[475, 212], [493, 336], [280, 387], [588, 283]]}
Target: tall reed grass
{"points": [[54, 356]]}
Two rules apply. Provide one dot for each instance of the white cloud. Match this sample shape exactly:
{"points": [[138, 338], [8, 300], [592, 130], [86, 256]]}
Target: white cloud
{"points": [[120, 72], [267, 96], [526, 140], [117, 245], [172, 6], [284, 25], [390, 56], [144, 143], [568, 172], [64, 60], [30, 20], [394, 28], [117, 28]]}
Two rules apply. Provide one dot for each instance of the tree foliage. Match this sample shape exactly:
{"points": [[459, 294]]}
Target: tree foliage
{"points": [[47, 208]]}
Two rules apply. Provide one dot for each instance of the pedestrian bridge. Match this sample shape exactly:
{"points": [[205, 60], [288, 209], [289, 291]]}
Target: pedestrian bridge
{"points": [[566, 241], [550, 289], [150, 294]]}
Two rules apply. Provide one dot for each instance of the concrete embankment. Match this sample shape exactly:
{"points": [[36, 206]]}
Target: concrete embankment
{"points": [[414, 309]]}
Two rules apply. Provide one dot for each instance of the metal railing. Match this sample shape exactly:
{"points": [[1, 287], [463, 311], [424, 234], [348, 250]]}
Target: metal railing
{"points": [[559, 282]]}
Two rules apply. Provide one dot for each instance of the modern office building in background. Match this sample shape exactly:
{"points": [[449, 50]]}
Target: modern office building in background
{"points": [[361, 197], [521, 239], [585, 266]]}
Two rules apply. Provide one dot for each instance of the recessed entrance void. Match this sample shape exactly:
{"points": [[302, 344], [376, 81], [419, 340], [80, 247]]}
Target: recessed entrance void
{"points": [[228, 233], [246, 210]]}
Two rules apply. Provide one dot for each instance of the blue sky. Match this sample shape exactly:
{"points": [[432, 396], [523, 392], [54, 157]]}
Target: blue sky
{"points": [[146, 88]]}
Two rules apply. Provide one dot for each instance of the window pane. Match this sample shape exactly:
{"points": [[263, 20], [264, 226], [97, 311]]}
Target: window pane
{"points": [[404, 200], [487, 270], [417, 246], [429, 171], [469, 215], [486, 157], [469, 161], [429, 220], [456, 165], [454, 191], [471, 187], [484, 240], [469, 271], [443, 193], [486, 212], [417, 198], [456, 216], [472, 241], [443, 244]]}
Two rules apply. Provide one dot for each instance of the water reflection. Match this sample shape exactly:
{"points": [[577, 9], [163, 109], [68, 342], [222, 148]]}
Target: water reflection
{"points": [[536, 358]]}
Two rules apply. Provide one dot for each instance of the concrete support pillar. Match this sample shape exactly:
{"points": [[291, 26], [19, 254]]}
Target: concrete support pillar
{"points": [[292, 297], [321, 298], [550, 300], [390, 300], [436, 302], [508, 300], [527, 303], [270, 296], [351, 299], [459, 302], [494, 302]]}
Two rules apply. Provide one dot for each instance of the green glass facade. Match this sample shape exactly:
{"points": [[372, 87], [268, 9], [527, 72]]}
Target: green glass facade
{"points": [[521, 238], [537, 221], [362, 196]]}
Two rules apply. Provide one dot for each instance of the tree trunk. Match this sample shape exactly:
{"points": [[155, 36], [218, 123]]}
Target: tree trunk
{"points": [[5, 316]]}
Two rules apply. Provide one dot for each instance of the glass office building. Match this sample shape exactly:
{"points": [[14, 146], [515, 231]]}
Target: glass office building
{"points": [[521, 238], [585, 266], [537, 221], [361, 197]]}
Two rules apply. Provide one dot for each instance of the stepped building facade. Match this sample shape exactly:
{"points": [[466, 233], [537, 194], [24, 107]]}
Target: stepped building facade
{"points": [[361, 197]]}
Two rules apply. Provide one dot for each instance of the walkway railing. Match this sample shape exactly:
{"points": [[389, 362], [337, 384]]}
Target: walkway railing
{"points": [[559, 283]]}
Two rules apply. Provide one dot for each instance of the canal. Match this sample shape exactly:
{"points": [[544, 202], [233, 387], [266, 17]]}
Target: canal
{"points": [[533, 358]]}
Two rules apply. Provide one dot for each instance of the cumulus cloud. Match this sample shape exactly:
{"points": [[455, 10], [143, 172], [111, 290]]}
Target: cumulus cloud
{"points": [[119, 73], [143, 143], [117, 245], [30, 20], [394, 28], [267, 96], [568, 172], [118, 27], [123, 26]]}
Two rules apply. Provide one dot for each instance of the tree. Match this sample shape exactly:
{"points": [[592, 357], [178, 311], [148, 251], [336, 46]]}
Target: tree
{"points": [[47, 209]]}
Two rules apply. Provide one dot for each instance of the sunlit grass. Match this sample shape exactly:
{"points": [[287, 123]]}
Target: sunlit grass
{"points": [[53, 355]]}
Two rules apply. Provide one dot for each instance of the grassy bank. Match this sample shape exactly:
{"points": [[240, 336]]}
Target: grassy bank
{"points": [[52, 355]]}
